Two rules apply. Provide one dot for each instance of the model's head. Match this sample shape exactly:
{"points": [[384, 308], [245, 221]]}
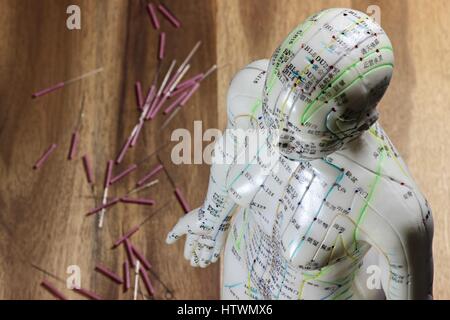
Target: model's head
{"points": [[325, 81]]}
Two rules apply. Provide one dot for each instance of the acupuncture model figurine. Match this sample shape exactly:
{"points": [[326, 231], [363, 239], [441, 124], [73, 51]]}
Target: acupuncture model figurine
{"points": [[320, 204]]}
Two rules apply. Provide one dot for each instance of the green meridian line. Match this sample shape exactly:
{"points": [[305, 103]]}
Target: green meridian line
{"points": [[306, 116], [341, 74], [257, 104], [237, 243], [363, 210], [340, 281], [390, 151], [323, 271], [340, 294], [246, 167], [283, 107], [338, 77]]}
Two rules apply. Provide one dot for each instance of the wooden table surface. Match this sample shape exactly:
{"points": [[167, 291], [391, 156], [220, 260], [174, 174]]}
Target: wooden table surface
{"points": [[42, 215], [43, 229]]}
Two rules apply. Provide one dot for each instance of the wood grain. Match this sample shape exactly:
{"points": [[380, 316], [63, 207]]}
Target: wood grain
{"points": [[43, 229], [42, 220]]}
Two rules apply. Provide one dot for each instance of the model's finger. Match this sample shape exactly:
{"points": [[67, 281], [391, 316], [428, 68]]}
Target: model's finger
{"points": [[189, 246], [198, 249], [205, 253], [206, 241], [205, 257], [194, 259], [218, 248], [216, 254], [180, 229]]}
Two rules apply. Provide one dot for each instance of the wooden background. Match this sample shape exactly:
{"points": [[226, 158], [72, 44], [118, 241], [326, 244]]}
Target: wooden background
{"points": [[42, 224]]}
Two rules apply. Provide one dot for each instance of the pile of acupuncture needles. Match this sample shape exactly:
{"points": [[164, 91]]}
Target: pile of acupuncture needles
{"points": [[170, 96]]}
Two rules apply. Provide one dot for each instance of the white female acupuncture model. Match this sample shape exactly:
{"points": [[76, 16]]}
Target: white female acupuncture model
{"points": [[325, 208]]}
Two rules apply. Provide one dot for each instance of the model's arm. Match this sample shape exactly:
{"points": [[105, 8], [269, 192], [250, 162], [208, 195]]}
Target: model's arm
{"points": [[402, 233], [206, 227]]}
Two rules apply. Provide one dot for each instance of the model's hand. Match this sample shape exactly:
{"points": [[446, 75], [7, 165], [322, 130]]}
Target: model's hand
{"points": [[204, 242], [207, 249], [190, 223]]}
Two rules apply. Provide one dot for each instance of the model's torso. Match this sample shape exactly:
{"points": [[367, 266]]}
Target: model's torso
{"points": [[296, 233], [297, 237]]}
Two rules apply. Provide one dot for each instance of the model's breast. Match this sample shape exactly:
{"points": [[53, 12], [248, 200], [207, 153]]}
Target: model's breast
{"points": [[304, 207], [279, 192]]}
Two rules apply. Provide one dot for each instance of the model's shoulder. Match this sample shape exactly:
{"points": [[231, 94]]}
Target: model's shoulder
{"points": [[385, 182], [374, 154], [244, 98], [249, 81], [390, 210]]}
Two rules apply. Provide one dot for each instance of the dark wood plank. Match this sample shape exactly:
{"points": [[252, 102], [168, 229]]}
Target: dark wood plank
{"points": [[42, 212]]}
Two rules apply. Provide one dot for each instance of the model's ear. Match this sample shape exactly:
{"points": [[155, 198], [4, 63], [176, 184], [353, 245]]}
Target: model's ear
{"points": [[354, 100]]}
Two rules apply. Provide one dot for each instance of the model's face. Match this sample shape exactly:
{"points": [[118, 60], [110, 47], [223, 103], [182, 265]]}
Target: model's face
{"points": [[324, 82], [307, 140]]}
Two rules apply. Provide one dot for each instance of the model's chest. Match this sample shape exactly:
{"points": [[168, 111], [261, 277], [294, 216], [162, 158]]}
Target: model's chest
{"points": [[306, 208], [300, 194]]}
